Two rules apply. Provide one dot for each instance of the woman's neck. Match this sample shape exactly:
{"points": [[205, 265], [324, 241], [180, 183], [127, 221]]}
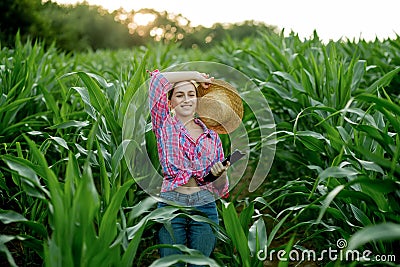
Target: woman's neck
{"points": [[188, 122]]}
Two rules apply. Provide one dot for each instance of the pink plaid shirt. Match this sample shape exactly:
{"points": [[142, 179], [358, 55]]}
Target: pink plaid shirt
{"points": [[180, 156]]}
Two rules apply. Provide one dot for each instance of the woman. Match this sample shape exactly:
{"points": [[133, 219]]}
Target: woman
{"points": [[188, 151]]}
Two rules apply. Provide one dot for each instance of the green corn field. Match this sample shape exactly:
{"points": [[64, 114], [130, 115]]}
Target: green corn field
{"points": [[331, 197]]}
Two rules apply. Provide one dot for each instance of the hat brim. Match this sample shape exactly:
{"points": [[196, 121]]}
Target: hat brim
{"points": [[231, 102]]}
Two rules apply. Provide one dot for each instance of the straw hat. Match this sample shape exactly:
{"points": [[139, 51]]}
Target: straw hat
{"points": [[220, 107]]}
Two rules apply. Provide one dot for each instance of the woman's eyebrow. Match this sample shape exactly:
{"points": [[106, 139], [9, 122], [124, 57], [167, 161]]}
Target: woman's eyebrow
{"points": [[182, 92]]}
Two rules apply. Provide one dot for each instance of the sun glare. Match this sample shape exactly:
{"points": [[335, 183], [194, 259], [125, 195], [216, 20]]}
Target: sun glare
{"points": [[142, 19]]}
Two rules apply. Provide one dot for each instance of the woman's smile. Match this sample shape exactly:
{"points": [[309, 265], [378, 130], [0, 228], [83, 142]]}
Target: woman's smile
{"points": [[186, 105]]}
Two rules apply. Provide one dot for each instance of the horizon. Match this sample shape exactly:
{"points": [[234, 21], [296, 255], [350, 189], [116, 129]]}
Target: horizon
{"points": [[352, 20]]}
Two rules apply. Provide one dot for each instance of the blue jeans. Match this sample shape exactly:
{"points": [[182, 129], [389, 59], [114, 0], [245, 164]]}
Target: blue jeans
{"points": [[193, 234]]}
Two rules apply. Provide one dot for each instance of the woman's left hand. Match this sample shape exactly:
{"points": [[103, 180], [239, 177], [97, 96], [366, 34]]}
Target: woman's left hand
{"points": [[218, 168]]}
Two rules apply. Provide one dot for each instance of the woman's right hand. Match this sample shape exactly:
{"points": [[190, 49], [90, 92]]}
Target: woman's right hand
{"points": [[205, 80]]}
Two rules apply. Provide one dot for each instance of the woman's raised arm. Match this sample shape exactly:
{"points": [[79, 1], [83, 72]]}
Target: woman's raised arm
{"points": [[179, 76]]}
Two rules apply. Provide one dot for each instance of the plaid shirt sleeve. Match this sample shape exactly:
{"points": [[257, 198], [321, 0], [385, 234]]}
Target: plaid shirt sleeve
{"points": [[159, 87]]}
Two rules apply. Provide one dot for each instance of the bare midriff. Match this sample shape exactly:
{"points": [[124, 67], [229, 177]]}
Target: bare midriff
{"points": [[189, 188]]}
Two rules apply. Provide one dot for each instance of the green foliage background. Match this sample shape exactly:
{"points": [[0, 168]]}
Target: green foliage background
{"points": [[68, 198], [83, 27]]}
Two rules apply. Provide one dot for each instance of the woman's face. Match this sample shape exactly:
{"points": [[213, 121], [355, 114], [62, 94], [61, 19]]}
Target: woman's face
{"points": [[184, 99]]}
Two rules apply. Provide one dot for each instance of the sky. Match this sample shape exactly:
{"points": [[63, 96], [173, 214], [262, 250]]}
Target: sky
{"points": [[332, 19]]}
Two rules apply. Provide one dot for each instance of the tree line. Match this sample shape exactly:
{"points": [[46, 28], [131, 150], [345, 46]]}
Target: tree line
{"points": [[83, 27]]}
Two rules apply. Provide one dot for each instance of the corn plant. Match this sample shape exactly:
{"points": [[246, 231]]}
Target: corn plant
{"points": [[336, 131], [68, 197], [28, 90]]}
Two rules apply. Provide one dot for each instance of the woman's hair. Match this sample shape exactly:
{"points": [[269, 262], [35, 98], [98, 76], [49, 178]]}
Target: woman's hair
{"points": [[174, 85]]}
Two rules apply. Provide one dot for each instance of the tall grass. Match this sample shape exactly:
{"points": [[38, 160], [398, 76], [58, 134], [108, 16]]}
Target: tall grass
{"points": [[337, 130], [69, 199]]}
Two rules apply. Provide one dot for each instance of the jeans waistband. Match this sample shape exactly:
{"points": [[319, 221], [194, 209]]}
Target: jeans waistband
{"points": [[199, 198]]}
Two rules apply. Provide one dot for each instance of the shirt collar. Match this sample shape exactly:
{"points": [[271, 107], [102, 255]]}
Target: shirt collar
{"points": [[177, 123], [180, 127], [201, 123]]}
